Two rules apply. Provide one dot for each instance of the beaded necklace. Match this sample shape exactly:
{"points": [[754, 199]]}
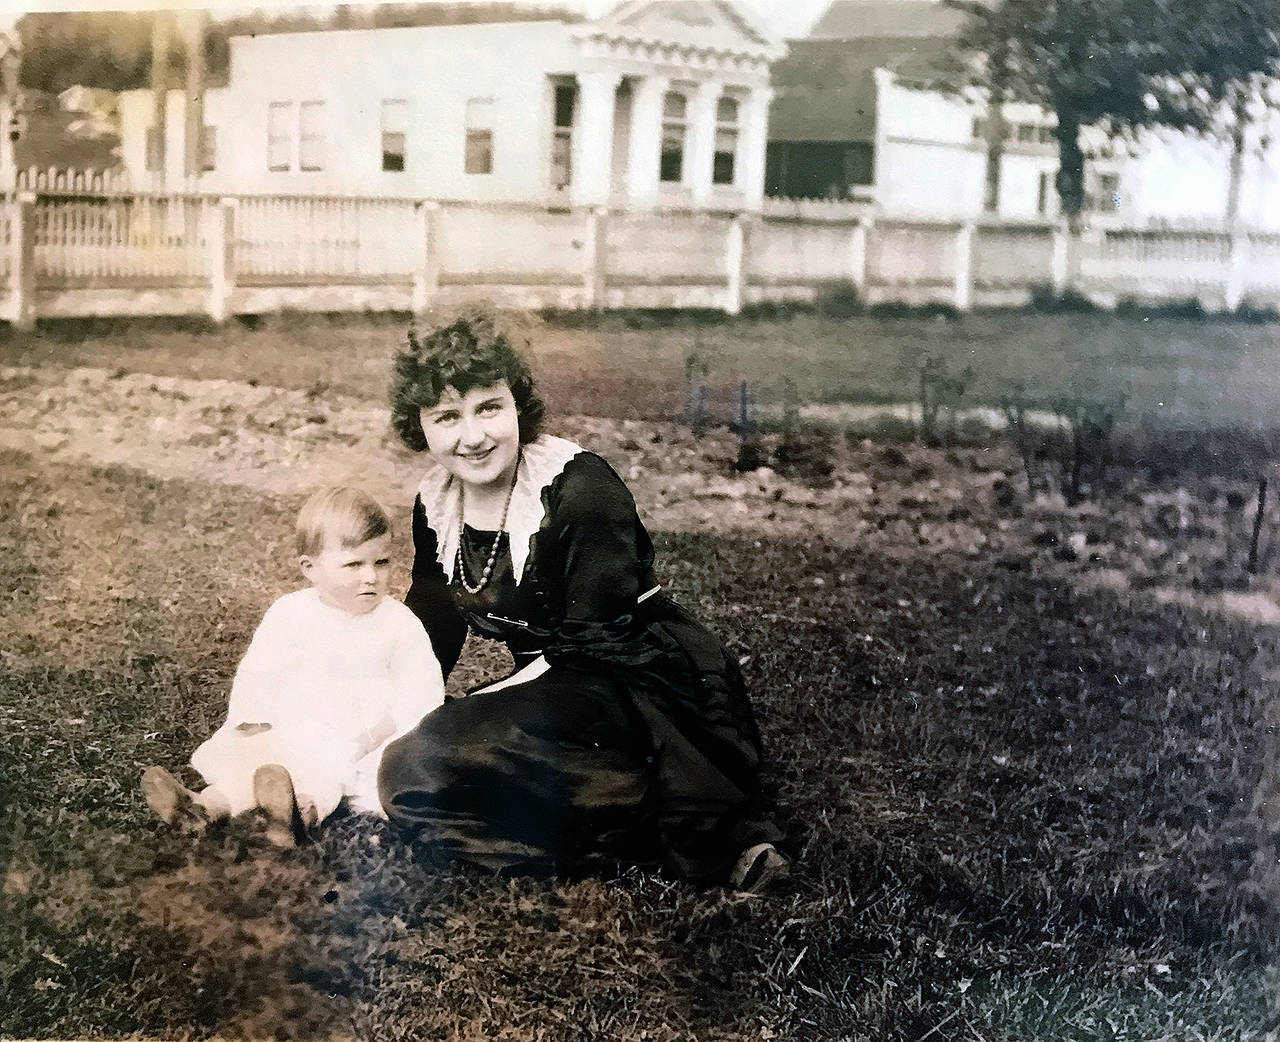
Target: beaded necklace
{"points": [[459, 564]]}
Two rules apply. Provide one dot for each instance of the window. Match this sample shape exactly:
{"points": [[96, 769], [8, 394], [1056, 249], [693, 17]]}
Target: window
{"points": [[1107, 199], [726, 141], [155, 149], [566, 96], [395, 120], [311, 135], [675, 111], [1023, 133], [208, 148], [1044, 190], [479, 144], [280, 135]]}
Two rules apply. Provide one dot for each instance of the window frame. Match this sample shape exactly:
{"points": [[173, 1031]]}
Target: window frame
{"points": [[673, 123], [478, 153], [400, 106], [153, 150], [280, 138], [562, 133], [208, 157], [308, 161], [1106, 198], [733, 128]]}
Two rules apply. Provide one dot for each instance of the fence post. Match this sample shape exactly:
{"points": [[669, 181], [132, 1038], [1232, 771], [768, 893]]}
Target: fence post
{"points": [[595, 258], [426, 274], [735, 248], [964, 266], [1237, 269], [22, 260], [222, 259], [858, 257]]}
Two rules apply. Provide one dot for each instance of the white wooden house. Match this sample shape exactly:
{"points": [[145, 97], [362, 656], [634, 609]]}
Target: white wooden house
{"points": [[858, 115], [651, 105], [931, 158]]}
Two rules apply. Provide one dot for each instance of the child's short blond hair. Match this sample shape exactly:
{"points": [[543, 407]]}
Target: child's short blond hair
{"points": [[339, 516]]}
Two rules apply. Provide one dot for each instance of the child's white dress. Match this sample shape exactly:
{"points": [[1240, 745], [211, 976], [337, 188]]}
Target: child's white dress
{"points": [[335, 689]]}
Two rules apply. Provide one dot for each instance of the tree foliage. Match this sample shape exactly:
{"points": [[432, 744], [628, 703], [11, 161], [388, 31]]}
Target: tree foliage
{"points": [[1120, 65], [112, 49]]}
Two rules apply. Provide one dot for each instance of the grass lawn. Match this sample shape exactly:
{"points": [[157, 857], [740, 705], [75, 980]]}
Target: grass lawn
{"points": [[1174, 371], [1018, 812]]}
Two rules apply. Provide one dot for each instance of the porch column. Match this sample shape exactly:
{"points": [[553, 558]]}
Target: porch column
{"points": [[592, 156], [702, 141], [753, 140], [646, 137]]}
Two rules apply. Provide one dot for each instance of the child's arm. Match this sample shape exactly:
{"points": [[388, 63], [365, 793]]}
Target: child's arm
{"points": [[417, 679], [417, 686], [251, 707]]}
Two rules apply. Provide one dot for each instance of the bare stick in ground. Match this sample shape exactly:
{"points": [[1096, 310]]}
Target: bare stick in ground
{"points": [[1257, 525]]}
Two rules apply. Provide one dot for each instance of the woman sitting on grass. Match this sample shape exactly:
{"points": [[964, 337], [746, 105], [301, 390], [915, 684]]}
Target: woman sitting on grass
{"points": [[333, 674], [625, 733]]}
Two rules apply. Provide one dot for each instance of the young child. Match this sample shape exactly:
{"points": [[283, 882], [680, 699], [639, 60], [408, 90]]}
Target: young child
{"points": [[334, 673]]}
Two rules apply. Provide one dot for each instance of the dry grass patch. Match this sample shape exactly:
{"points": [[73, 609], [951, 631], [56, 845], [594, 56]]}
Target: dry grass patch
{"points": [[1179, 372], [1018, 813]]}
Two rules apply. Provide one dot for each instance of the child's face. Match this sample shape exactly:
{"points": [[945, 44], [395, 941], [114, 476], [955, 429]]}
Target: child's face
{"points": [[351, 578]]}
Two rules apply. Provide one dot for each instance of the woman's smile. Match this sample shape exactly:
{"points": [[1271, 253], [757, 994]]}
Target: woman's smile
{"points": [[475, 436]]}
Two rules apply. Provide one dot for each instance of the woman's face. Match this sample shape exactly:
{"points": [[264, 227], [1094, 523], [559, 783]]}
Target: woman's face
{"points": [[475, 436]]}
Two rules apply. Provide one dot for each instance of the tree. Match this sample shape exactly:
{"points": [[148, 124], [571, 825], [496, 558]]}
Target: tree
{"points": [[1236, 47], [995, 128], [1120, 65], [112, 49], [94, 48]]}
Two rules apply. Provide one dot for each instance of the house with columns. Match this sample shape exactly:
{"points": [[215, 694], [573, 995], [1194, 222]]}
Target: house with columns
{"points": [[654, 105]]}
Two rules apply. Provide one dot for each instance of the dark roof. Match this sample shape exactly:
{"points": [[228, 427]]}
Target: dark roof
{"points": [[826, 88], [861, 19]]}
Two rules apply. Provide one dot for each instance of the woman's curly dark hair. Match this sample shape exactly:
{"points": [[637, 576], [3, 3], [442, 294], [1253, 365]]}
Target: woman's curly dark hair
{"points": [[468, 352]]}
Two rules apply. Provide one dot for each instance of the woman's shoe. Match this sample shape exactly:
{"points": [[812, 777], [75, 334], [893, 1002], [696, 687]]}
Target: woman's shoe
{"points": [[273, 792], [171, 801], [758, 869]]}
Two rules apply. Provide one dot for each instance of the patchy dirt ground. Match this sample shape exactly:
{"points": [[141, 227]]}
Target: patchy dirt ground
{"points": [[1031, 859], [1184, 539]]}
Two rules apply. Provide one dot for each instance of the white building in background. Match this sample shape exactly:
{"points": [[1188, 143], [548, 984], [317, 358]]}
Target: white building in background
{"points": [[930, 159], [930, 154], [655, 104]]}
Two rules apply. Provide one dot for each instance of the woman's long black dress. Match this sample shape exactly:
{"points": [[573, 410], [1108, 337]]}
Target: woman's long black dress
{"points": [[626, 734]]}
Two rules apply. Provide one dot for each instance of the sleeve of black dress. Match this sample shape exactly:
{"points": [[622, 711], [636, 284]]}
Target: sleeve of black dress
{"points": [[602, 553], [428, 596]]}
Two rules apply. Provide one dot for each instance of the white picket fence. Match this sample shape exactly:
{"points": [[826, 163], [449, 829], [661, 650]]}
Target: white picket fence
{"points": [[72, 181], [67, 249], [89, 240]]}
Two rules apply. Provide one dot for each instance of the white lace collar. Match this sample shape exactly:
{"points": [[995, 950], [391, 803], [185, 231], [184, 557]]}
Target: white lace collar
{"points": [[541, 462]]}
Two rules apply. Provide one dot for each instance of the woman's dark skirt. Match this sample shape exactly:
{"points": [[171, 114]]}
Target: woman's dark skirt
{"points": [[591, 764]]}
